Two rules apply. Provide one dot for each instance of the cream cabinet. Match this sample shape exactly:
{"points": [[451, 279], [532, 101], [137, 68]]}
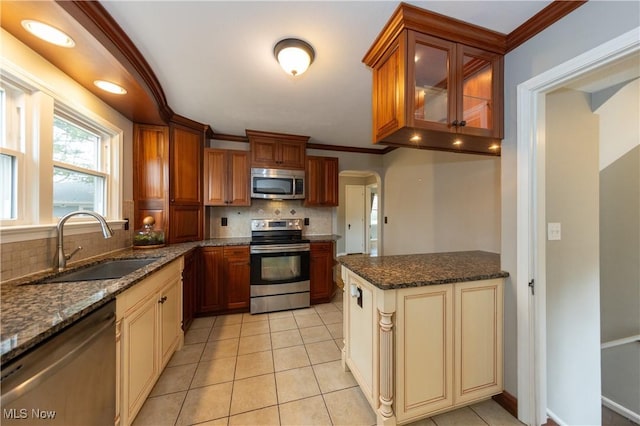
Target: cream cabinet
{"points": [[424, 350], [419, 351], [478, 340], [148, 332]]}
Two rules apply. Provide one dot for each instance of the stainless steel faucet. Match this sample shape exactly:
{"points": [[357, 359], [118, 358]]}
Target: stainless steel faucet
{"points": [[60, 262]]}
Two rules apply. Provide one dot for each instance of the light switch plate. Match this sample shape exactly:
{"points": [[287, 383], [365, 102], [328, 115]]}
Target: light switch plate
{"points": [[554, 231]]}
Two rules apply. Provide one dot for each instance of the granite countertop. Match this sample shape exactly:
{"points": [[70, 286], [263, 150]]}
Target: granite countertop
{"points": [[31, 312], [415, 270]]}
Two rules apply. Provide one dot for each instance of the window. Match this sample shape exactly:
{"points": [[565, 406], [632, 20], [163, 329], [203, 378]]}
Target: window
{"points": [[78, 177], [56, 156], [12, 123]]}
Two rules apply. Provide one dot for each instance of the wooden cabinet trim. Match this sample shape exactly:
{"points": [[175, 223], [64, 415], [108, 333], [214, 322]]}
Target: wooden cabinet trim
{"points": [[228, 184], [277, 150], [425, 21], [321, 181]]}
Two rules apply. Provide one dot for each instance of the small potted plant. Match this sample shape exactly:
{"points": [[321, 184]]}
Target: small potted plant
{"points": [[147, 237]]}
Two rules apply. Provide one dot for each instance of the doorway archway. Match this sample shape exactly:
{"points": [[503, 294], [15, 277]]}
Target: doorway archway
{"points": [[372, 233]]}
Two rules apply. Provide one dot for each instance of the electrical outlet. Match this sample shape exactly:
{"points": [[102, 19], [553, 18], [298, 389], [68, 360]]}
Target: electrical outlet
{"points": [[223, 221], [554, 231]]}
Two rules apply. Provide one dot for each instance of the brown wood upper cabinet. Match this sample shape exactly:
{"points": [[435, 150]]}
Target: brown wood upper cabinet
{"points": [[437, 83], [167, 179], [277, 150], [185, 188], [321, 181], [226, 178], [151, 175]]}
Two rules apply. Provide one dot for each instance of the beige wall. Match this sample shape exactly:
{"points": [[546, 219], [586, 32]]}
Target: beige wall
{"points": [[440, 201], [619, 127], [572, 264], [620, 278], [25, 257], [620, 213], [620, 244]]}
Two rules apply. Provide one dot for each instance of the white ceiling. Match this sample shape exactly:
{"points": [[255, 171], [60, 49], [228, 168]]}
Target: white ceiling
{"points": [[214, 59]]}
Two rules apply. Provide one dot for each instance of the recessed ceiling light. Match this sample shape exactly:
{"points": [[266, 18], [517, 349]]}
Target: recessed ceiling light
{"points": [[415, 138], [110, 87], [494, 146], [457, 142], [48, 33]]}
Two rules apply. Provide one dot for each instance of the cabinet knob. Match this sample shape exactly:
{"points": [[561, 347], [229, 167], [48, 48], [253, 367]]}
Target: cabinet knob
{"points": [[463, 123], [455, 123]]}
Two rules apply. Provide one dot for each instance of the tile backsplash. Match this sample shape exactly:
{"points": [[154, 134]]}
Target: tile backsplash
{"points": [[239, 218], [27, 257]]}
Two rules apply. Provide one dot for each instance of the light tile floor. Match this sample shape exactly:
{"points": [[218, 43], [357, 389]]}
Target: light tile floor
{"points": [[280, 368]]}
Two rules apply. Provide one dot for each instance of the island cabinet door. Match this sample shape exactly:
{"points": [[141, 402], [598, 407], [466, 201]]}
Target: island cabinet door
{"points": [[478, 341], [424, 351]]}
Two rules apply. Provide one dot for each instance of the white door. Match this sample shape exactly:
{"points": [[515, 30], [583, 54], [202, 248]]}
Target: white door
{"points": [[354, 218]]}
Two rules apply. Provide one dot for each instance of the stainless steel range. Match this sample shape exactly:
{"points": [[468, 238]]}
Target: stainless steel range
{"points": [[279, 265]]}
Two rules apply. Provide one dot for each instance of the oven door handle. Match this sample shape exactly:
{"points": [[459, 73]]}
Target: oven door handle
{"points": [[279, 248]]}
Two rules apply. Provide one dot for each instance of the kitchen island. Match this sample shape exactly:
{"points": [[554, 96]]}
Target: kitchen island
{"points": [[423, 333]]}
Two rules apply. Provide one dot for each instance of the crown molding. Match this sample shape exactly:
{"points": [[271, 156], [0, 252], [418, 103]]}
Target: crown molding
{"points": [[540, 21]]}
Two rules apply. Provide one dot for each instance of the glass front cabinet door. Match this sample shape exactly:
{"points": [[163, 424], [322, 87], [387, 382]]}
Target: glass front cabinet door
{"points": [[455, 87]]}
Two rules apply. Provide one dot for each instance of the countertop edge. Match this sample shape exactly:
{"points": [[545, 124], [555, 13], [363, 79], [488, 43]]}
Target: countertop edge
{"points": [[369, 269], [112, 288]]}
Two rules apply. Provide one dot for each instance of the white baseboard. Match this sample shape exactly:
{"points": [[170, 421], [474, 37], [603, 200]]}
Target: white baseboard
{"points": [[623, 411], [555, 418]]}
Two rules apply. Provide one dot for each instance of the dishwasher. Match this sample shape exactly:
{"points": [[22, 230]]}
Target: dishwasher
{"points": [[68, 380]]}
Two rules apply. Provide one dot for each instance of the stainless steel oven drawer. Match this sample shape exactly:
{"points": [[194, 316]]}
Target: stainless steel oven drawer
{"points": [[274, 289], [280, 302]]}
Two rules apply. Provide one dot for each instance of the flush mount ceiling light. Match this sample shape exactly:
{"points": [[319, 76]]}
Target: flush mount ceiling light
{"points": [[110, 87], [294, 55], [48, 33]]}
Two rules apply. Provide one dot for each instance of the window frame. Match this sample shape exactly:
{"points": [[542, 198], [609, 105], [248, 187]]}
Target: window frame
{"points": [[35, 219], [103, 162], [19, 151]]}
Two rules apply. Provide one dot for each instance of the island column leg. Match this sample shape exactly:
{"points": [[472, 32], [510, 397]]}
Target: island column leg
{"points": [[385, 413]]}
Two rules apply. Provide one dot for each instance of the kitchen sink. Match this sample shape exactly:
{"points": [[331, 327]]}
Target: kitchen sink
{"points": [[106, 270]]}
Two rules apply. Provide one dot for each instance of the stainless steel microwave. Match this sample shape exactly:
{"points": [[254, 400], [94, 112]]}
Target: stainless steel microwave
{"points": [[278, 184]]}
